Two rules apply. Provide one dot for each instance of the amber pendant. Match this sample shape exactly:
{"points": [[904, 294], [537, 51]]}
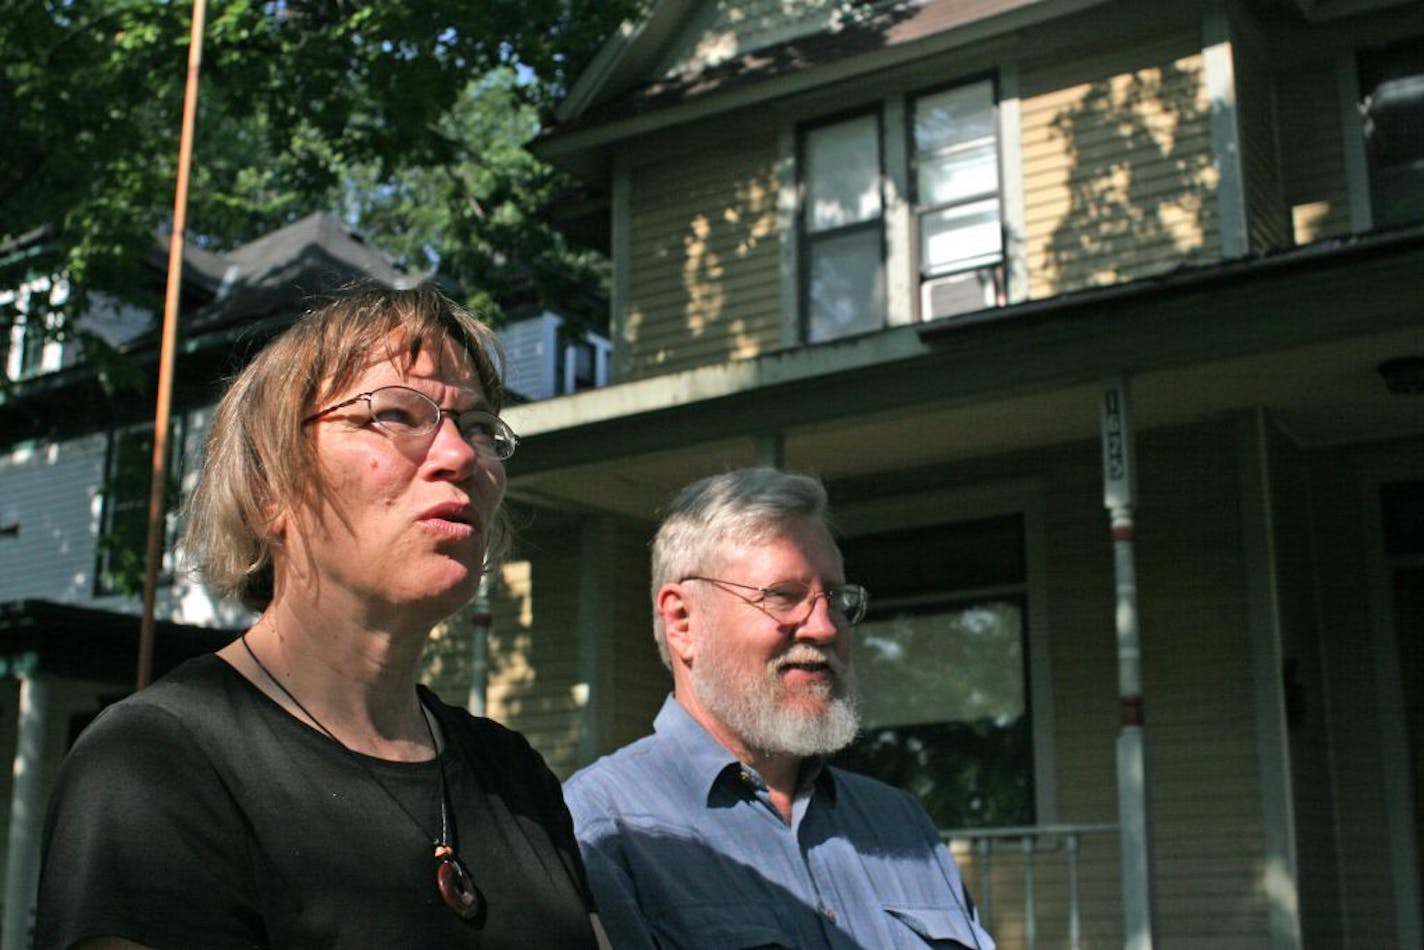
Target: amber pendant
{"points": [[453, 881]]}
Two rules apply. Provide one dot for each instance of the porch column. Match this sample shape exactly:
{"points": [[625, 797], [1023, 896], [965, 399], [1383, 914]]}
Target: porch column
{"points": [[26, 811], [1120, 497]]}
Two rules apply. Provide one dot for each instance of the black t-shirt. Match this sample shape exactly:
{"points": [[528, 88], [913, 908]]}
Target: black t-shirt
{"points": [[199, 813]]}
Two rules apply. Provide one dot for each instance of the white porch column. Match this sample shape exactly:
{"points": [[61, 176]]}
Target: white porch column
{"points": [[22, 861], [1135, 832]]}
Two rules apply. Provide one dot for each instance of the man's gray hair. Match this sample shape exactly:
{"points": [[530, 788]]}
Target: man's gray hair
{"points": [[748, 504]]}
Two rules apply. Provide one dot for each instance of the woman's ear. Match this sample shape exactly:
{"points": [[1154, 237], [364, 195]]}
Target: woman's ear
{"points": [[676, 613]]}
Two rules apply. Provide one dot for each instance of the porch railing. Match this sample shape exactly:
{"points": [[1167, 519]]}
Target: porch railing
{"points": [[1054, 850]]}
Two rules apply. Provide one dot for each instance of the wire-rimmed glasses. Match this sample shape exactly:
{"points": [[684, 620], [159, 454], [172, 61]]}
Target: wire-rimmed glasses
{"points": [[400, 412], [790, 603]]}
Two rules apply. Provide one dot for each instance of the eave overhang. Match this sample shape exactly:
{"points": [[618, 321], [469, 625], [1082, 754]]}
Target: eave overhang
{"points": [[86, 643]]}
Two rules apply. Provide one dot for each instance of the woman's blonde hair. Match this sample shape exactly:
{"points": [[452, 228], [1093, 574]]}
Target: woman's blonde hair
{"points": [[259, 461]]}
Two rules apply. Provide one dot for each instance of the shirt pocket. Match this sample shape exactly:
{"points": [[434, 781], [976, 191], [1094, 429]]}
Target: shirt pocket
{"points": [[740, 926], [936, 927]]}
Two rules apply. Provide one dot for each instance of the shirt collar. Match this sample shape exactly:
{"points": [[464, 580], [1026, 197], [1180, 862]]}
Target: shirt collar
{"points": [[707, 760]]}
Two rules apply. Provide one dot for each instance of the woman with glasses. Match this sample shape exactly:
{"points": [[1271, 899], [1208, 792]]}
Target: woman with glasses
{"points": [[299, 787]]}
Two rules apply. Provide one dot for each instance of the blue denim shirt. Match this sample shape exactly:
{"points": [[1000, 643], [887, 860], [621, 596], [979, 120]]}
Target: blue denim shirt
{"points": [[685, 849]]}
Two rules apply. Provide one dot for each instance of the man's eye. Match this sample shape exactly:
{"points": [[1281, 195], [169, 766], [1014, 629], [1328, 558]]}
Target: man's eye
{"points": [[784, 596]]}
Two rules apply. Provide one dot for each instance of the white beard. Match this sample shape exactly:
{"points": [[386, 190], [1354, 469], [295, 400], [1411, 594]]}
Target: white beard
{"points": [[761, 711]]}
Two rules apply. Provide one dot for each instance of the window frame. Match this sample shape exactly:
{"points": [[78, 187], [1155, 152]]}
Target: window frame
{"points": [[808, 239], [1022, 497], [111, 500], [998, 268]]}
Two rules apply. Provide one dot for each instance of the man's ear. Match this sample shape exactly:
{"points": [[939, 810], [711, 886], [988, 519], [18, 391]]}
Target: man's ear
{"points": [[676, 613]]}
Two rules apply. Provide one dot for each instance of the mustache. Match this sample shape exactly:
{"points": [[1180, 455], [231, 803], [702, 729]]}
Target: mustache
{"points": [[801, 654]]}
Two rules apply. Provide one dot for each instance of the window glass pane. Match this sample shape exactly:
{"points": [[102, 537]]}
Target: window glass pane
{"points": [[968, 172], [846, 289], [945, 711], [842, 174], [954, 117], [123, 544], [961, 236], [943, 672]]}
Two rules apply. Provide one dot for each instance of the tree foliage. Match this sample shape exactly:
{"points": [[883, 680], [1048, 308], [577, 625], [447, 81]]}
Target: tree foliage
{"points": [[406, 114]]}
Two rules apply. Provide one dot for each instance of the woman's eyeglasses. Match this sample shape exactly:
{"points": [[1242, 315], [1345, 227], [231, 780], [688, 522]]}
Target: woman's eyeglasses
{"points": [[791, 602], [400, 412]]}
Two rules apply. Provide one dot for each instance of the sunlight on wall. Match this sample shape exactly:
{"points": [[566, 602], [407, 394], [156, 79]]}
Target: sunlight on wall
{"points": [[1120, 180], [511, 674], [1308, 221]]}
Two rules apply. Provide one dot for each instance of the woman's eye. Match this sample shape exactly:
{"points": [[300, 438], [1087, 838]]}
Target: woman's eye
{"points": [[396, 418]]}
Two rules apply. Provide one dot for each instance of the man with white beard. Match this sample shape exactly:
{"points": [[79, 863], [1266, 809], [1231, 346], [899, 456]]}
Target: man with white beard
{"points": [[725, 827]]}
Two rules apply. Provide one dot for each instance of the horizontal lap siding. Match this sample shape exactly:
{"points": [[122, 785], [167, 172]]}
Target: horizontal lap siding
{"points": [[1204, 786], [704, 263], [640, 681], [1117, 163], [1267, 221], [1341, 591], [52, 492], [534, 648], [1198, 684], [1312, 152]]}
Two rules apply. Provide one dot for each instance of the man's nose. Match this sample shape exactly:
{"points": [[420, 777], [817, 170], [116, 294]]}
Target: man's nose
{"points": [[821, 624]]}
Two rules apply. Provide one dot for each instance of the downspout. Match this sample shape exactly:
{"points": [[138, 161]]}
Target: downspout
{"points": [[1120, 498], [22, 856]]}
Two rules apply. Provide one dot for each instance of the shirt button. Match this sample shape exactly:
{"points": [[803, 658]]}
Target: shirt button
{"points": [[828, 913]]}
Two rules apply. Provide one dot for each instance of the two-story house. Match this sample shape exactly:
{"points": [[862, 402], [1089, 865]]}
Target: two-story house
{"points": [[1103, 321]]}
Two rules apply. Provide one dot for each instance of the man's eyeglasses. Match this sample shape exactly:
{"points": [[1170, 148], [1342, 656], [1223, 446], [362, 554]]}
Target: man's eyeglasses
{"points": [[400, 412], [790, 603]]}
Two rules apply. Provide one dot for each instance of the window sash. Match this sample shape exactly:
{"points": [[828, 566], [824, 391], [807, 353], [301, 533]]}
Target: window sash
{"points": [[842, 174]]}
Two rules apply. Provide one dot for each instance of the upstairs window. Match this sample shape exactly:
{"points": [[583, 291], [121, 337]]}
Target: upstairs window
{"points": [[123, 541], [1392, 104], [956, 175], [843, 241]]}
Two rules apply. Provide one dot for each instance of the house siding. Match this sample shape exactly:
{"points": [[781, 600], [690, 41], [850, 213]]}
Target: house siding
{"points": [[1307, 704], [52, 492], [1267, 223], [1312, 152], [1341, 589], [1204, 785], [704, 262], [1119, 180]]}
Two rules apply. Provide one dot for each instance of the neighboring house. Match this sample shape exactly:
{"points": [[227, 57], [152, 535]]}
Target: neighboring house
{"points": [[951, 257], [74, 485]]}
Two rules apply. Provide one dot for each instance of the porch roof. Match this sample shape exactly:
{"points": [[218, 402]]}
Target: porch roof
{"points": [[73, 642]]}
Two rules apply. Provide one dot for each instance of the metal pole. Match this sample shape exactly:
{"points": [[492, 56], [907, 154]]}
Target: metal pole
{"points": [[479, 648], [1120, 497], [154, 551]]}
